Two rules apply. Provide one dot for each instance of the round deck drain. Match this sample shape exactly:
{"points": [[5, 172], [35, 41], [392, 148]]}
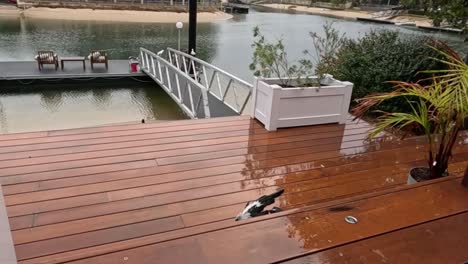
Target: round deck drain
{"points": [[351, 219]]}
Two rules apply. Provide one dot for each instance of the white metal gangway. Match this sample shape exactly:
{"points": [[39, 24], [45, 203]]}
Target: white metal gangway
{"points": [[202, 90]]}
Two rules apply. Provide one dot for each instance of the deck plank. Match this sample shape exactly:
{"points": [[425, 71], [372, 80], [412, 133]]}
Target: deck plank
{"points": [[356, 162], [13, 167], [73, 172], [298, 183], [320, 154], [148, 192], [434, 242], [307, 232]]}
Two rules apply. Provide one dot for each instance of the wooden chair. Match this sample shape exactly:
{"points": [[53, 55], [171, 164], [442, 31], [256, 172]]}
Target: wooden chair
{"points": [[46, 57], [98, 56]]}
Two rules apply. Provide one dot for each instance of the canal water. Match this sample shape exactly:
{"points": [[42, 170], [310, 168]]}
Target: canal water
{"points": [[226, 44]]}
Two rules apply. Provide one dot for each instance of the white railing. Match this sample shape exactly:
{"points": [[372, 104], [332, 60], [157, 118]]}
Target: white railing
{"points": [[227, 88], [191, 95]]}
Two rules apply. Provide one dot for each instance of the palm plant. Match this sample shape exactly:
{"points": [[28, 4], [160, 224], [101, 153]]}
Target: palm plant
{"points": [[438, 109]]}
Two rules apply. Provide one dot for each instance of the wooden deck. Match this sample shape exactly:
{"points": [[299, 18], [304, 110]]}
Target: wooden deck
{"points": [[169, 192], [27, 70]]}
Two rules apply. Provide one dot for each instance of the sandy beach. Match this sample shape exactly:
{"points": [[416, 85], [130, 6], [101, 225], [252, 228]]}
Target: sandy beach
{"points": [[418, 20], [115, 15], [7, 10], [351, 14], [322, 11]]}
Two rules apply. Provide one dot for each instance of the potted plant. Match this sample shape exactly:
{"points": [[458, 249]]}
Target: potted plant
{"points": [[438, 110], [465, 178], [286, 94]]}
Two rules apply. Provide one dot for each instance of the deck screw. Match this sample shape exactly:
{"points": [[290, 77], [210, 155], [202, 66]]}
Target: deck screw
{"points": [[351, 219]]}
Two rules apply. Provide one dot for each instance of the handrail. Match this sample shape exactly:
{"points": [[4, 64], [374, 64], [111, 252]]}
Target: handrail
{"points": [[165, 74], [219, 84], [211, 66]]}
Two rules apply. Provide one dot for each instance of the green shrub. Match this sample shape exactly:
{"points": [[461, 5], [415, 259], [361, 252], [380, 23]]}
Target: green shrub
{"points": [[382, 56]]}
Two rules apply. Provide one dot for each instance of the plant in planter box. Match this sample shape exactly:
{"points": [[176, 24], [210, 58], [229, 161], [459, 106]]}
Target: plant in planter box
{"points": [[286, 95], [270, 60], [438, 110]]}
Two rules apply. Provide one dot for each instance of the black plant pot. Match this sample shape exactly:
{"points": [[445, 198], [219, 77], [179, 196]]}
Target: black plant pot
{"points": [[420, 174], [465, 123]]}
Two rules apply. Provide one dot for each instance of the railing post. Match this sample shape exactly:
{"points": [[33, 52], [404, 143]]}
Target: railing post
{"points": [[227, 89], [142, 59], [206, 77], [160, 71], [185, 65], [195, 74], [147, 61], [254, 97], [219, 85], [177, 61], [169, 54], [178, 87], [206, 103], [152, 64], [189, 87], [169, 82]]}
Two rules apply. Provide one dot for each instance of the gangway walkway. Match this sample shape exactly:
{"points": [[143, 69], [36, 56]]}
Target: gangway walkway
{"points": [[202, 90]]}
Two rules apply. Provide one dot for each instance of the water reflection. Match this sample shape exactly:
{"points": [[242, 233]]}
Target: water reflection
{"points": [[21, 38], [51, 100], [3, 121], [226, 44], [318, 163], [102, 98], [312, 166], [44, 107]]}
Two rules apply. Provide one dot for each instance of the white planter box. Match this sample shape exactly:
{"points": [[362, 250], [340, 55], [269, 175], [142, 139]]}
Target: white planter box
{"points": [[277, 107]]}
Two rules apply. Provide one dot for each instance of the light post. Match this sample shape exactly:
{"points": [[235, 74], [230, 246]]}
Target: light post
{"points": [[179, 25], [192, 26]]}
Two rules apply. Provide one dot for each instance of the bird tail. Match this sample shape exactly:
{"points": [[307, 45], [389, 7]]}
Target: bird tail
{"points": [[277, 194]]}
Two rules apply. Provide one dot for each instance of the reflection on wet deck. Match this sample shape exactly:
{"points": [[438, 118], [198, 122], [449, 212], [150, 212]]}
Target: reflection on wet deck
{"points": [[169, 192]]}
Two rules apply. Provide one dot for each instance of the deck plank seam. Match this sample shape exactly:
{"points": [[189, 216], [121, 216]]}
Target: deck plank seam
{"points": [[201, 198], [317, 167], [10, 176], [107, 136], [369, 237], [265, 177], [280, 214], [181, 139], [279, 160], [118, 155]]}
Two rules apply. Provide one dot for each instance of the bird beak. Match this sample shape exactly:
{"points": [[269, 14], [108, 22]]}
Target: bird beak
{"points": [[238, 217]]}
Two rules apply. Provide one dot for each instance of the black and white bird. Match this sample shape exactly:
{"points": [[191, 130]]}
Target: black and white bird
{"points": [[257, 207]]}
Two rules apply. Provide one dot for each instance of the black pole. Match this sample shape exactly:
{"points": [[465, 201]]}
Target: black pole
{"points": [[192, 26]]}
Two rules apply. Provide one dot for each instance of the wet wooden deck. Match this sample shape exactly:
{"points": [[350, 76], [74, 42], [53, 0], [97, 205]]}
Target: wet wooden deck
{"points": [[27, 70], [169, 192]]}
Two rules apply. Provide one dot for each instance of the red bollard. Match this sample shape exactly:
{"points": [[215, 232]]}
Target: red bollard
{"points": [[134, 66]]}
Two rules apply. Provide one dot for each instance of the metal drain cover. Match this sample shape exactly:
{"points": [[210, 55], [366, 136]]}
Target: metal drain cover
{"points": [[351, 219]]}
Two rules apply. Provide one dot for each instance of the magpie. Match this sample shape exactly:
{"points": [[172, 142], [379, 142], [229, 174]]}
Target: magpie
{"points": [[257, 207]]}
